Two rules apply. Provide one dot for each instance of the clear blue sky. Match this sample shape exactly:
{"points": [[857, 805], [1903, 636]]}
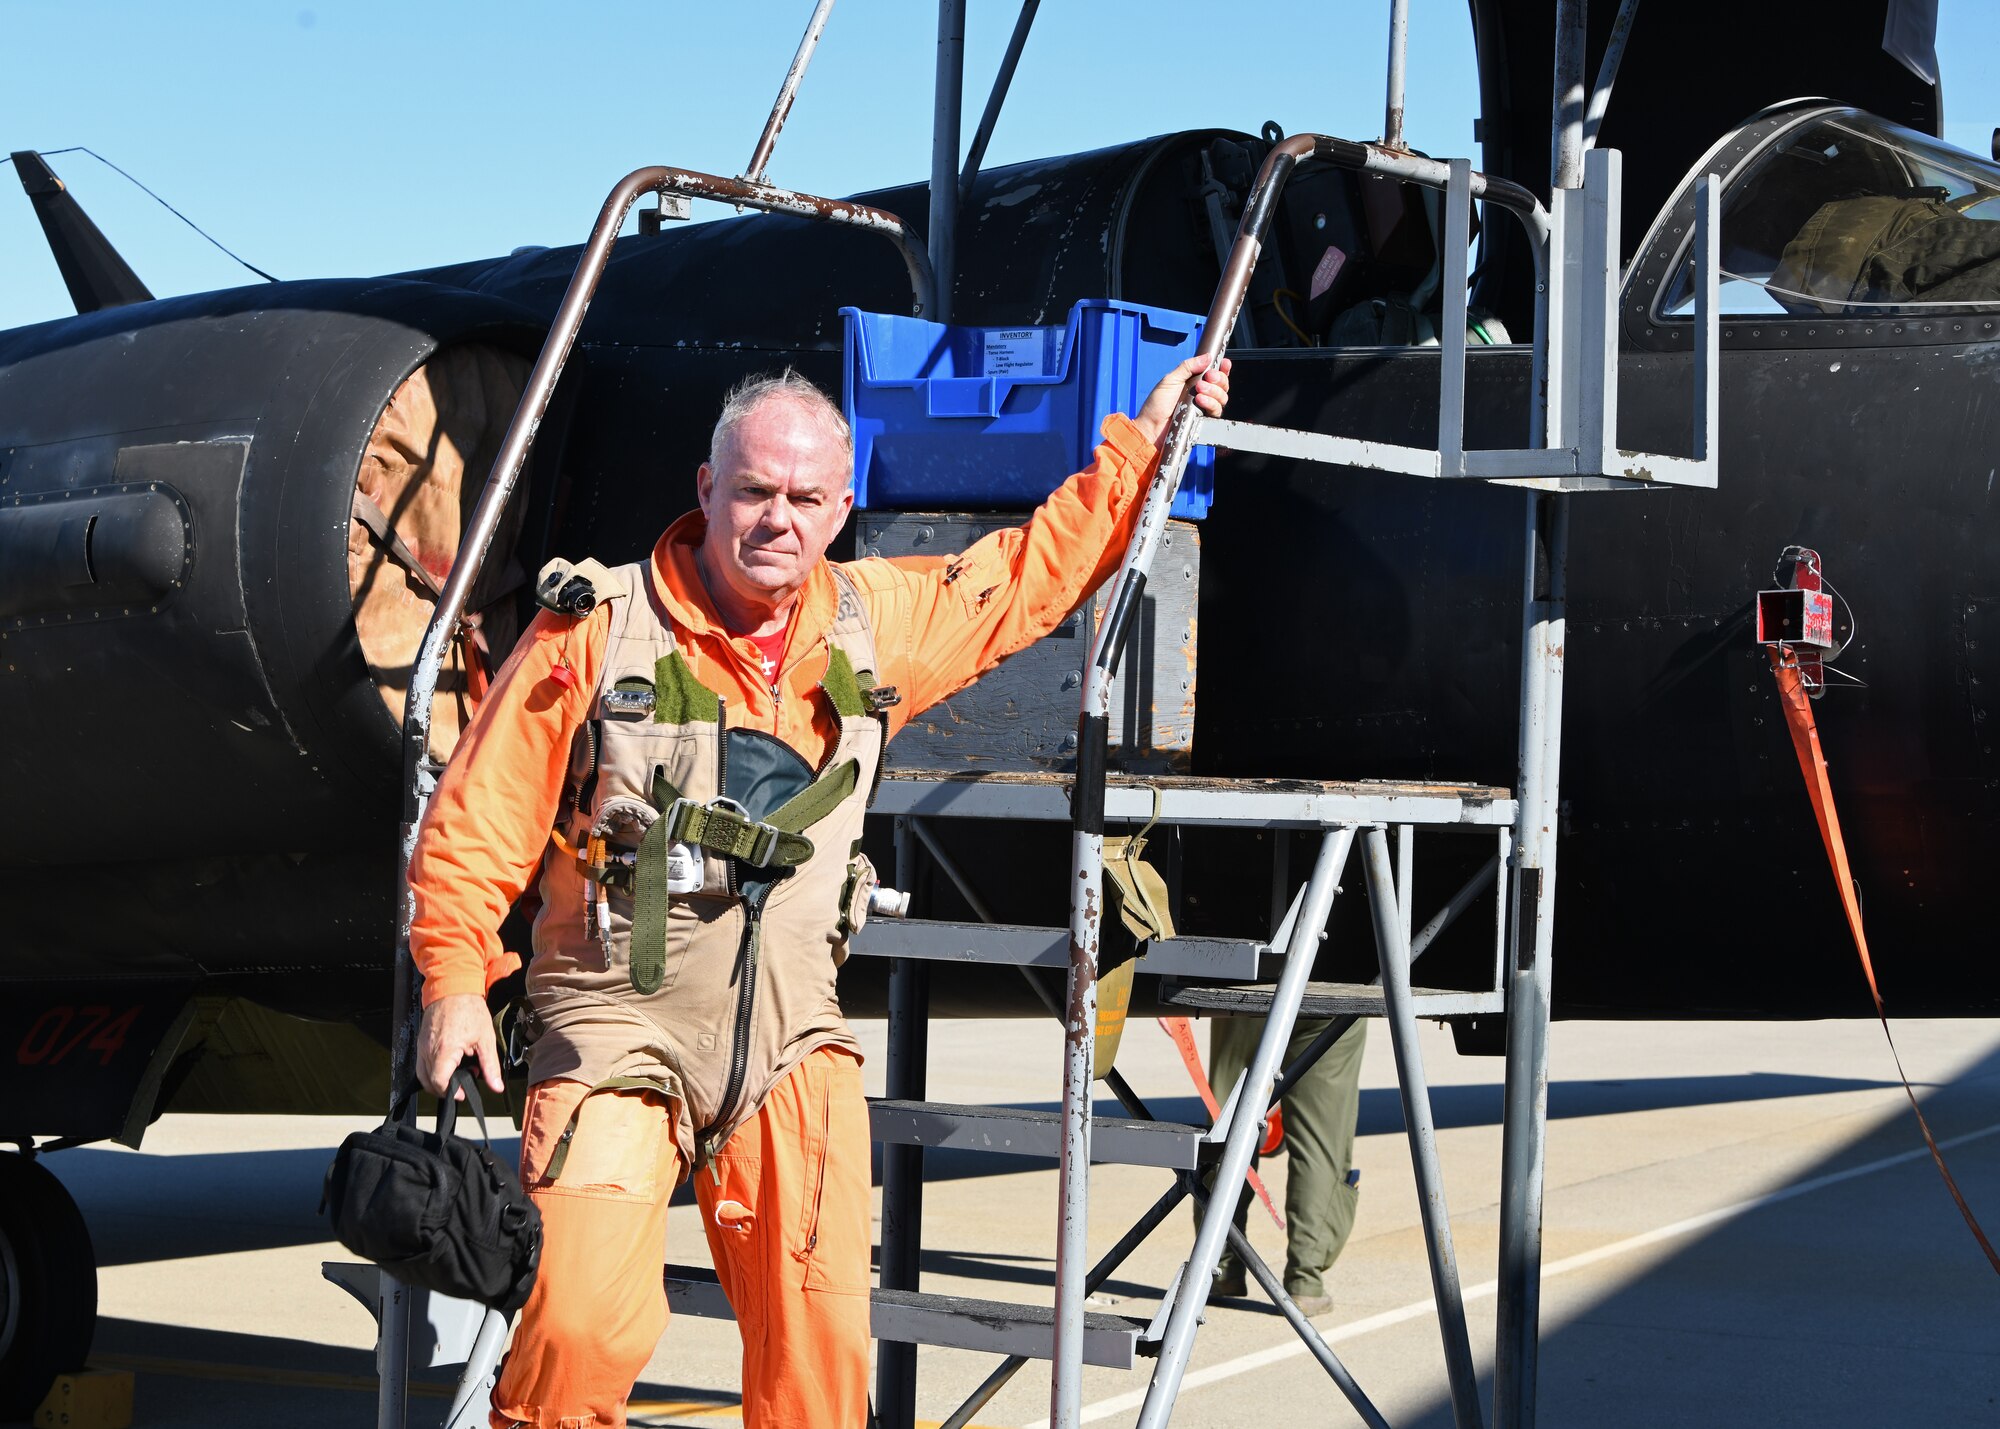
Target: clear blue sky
{"points": [[359, 136]]}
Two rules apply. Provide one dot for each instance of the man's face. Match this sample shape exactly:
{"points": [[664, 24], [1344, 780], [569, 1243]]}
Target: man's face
{"points": [[775, 497]]}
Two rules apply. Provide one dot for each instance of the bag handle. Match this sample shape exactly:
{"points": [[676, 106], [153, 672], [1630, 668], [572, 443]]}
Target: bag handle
{"points": [[463, 1079]]}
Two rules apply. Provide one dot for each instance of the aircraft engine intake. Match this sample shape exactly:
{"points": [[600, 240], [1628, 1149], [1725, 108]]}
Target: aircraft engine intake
{"points": [[200, 632]]}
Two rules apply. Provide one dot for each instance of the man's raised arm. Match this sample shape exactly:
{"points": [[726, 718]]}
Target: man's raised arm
{"points": [[941, 625]]}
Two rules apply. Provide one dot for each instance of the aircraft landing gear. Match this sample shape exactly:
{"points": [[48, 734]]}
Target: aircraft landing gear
{"points": [[48, 1285]]}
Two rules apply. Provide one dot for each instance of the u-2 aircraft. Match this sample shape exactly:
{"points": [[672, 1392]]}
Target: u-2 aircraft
{"points": [[205, 636]]}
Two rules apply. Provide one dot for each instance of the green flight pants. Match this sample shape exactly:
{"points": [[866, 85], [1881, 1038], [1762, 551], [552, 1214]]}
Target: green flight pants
{"points": [[1319, 1141]]}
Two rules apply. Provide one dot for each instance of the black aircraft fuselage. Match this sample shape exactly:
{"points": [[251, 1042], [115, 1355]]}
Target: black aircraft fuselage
{"points": [[198, 791]]}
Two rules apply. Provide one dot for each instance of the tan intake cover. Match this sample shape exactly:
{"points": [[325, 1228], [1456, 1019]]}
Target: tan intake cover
{"points": [[420, 476]]}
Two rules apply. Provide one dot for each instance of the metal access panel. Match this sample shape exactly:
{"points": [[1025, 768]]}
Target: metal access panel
{"points": [[1022, 715]]}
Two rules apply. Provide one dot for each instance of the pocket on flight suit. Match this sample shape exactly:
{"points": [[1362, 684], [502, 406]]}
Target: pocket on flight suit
{"points": [[618, 1148], [729, 1191], [833, 1239], [687, 916]]}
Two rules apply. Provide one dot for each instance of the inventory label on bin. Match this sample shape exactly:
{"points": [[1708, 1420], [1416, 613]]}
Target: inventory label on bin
{"points": [[1022, 352]]}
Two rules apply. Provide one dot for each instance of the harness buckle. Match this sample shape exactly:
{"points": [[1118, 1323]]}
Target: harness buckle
{"points": [[765, 849], [763, 837]]}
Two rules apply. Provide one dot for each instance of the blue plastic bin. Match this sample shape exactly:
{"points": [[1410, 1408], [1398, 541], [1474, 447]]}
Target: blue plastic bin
{"points": [[993, 418]]}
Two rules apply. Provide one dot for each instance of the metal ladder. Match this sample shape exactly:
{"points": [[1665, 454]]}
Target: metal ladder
{"points": [[1202, 975], [1572, 448]]}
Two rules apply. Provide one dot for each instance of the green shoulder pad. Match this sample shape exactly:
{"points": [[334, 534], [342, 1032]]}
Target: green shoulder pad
{"points": [[841, 686], [678, 697]]}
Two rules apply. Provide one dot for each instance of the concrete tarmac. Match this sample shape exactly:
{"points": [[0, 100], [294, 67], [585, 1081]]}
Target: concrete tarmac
{"points": [[1743, 1228]]}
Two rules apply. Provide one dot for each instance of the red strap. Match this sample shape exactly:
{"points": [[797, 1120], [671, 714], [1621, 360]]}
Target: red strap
{"points": [[1274, 1132], [1805, 739], [472, 649], [1182, 1031]]}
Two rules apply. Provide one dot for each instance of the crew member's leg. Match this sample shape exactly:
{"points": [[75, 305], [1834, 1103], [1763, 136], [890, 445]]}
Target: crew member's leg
{"points": [[1319, 1145], [1232, 1042], [786, 1208], [1320, 1198], [598, 1305]]}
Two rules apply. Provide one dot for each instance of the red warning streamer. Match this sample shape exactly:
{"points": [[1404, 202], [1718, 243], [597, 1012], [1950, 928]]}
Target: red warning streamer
{"points": [[1812, 762], [1181, 1029]]}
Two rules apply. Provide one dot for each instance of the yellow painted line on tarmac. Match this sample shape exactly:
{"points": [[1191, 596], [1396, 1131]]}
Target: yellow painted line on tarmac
{"points": [[257, 1374], [327, 1379], [708, 1408], [684, 1409]]}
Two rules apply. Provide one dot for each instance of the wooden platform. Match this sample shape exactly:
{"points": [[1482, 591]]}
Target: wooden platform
{"points": [[1194, 799], [1322, 999]]}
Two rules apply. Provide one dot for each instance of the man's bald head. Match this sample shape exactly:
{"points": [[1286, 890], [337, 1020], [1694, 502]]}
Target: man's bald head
{"points": [[784, 386]]}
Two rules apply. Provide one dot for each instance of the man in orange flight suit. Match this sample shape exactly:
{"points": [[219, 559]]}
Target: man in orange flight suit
{"points": [[738, 601]]}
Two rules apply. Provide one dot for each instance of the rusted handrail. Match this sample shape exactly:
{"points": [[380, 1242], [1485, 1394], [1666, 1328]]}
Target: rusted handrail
{"points": [[781, 108]]}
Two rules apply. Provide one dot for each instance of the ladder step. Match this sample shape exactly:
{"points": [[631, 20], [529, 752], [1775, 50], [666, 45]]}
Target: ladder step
{"points": [[1018, 1131], [910, 1317], [936, 940], [1326, 999]]}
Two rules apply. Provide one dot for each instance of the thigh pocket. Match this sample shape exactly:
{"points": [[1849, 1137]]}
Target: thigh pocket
{"points": [[833, 1240], [617, 1147], [730, 1190]]}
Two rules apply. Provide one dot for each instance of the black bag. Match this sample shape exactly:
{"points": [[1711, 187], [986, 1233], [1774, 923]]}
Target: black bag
{"points": [[436, 1211]]}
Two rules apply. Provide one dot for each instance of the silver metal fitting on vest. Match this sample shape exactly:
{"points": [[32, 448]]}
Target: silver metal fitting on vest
{"points": [[686, 869], [636, 703], [888, 903]]}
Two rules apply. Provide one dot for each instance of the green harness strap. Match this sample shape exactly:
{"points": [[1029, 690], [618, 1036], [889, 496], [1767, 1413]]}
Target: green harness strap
{"points": [[649, 905], [818, 799], [776, 842]]}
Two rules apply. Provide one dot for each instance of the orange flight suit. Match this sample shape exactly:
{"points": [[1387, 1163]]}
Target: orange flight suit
{"points": [[786, 1202]]}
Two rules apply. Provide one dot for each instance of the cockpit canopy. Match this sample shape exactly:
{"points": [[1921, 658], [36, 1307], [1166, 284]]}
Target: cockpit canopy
{"points": [[1846, 213]]}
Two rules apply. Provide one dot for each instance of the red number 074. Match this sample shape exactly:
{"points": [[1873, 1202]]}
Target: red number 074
{"points": [[62, 1029]]}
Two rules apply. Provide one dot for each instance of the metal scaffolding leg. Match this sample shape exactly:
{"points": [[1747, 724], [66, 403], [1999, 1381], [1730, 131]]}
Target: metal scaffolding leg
{"points": [[1245, 1130], [1394, 952], [473, 1398], [903, 1166], [1524, 1125], [1262, 1273]]}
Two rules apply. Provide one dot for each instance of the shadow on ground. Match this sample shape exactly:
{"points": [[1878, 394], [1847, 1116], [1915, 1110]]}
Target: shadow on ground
{"points": [[162, 1207], [178, 1372], [1816, 1310]]}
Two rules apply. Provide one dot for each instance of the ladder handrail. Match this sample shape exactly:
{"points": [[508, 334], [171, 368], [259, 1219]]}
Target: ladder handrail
{"points": [[1093, 719], [535, 397]]}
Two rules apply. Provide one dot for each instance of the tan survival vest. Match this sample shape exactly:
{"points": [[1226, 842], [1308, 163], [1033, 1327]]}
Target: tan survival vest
{"points": [[713, 995]]}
